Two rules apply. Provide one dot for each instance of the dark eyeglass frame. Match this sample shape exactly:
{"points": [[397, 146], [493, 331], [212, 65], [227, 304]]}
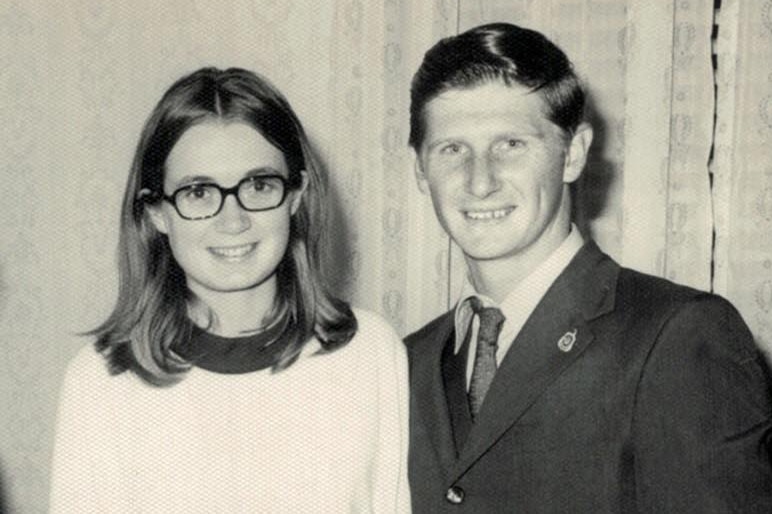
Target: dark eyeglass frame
{"points": [[288, 184]]}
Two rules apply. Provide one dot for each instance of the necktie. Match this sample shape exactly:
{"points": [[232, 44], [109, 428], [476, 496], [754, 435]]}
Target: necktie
{"points": [[484, 368]]}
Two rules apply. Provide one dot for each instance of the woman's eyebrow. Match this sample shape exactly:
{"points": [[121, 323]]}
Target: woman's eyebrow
{"points": [[262, 170], [254, 172], [193, 178]]}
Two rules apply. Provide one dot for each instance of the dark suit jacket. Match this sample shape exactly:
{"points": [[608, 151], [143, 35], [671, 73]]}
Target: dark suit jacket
{"points": [[662, 405]]}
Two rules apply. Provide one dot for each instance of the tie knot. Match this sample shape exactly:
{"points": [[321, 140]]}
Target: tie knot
{"points": [[491, 319]]}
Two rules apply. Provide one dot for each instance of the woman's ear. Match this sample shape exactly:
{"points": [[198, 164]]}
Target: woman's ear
{"points": [[297, 194], [154, 211]]}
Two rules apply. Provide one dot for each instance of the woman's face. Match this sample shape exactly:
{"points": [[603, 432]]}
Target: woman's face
{"points": [[235, 250]]}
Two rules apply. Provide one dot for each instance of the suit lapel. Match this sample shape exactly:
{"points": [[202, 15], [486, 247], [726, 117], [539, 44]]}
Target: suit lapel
{"points": [[428, 389], [581, 293]]}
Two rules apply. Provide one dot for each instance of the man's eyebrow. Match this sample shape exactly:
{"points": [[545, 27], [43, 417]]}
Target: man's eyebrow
{"points": [[524, 132], [434, 144]]}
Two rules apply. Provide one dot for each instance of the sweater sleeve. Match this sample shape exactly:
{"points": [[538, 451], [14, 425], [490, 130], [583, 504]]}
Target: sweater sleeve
{"points": [[703, 418], [390, 486], [84, 469]]}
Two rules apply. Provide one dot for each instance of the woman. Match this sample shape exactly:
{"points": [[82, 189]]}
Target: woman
{"points": [[227, 379]]}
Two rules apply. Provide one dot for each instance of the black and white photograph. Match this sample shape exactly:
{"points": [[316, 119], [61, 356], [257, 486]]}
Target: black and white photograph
{"points": [[343, 256]]}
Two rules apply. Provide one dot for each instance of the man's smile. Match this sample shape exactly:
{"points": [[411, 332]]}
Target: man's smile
{"points": [[490, 214]]}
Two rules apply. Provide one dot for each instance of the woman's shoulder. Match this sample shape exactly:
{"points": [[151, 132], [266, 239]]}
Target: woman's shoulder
{"points": [[87, 361], [374, 331], [371, 324], [89, 368], [86, 383]]}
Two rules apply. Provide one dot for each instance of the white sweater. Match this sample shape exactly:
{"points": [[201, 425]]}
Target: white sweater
{"points": [[329, 434]]}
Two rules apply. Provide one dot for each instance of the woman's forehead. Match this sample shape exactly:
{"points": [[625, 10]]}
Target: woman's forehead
{"points": [[222, 151]]}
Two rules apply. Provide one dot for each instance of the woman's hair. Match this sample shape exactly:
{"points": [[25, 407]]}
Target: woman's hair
{"points": [[151, 313]]}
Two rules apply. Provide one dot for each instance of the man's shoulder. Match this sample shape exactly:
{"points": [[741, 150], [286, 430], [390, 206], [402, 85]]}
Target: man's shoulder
{"points": [[429, 329], [656, 301], [637, 288], [643, 296]]}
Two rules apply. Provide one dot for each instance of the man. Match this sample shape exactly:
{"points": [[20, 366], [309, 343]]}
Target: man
{"points": [[561, 382]]}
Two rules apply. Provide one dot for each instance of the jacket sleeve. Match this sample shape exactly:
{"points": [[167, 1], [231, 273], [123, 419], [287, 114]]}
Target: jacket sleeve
{"points": [[702, 424], [83, 474]]}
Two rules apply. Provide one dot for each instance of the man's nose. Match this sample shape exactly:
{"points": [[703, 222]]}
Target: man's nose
{"points": [[232, 218], [481, 179]]}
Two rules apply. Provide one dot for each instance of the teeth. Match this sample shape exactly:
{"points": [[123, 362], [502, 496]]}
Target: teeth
{"points": [[489, 215], [233, 251]]}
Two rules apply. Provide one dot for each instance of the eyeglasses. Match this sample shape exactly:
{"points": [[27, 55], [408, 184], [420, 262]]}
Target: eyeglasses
{"points": [[205, 200]]}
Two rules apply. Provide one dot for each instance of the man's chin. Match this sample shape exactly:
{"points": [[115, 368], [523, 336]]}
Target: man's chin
{"points": [[486, 254]]}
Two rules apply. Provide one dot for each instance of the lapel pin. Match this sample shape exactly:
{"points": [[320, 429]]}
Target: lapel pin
{"points": [[566, 342]]}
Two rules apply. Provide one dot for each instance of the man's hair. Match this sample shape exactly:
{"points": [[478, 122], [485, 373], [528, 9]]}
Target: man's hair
{"points": [[498, 52], [150, 315]]}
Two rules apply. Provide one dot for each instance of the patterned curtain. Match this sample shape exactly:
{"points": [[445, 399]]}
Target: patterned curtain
{"points": [[645, 195], [742, 166], [670, 189], [390, 254]]}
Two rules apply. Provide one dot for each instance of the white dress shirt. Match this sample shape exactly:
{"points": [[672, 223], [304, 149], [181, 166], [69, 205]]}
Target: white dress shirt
{"points": [[519, 304]]}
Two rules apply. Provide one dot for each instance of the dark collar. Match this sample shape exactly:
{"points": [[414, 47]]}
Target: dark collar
{"points": [[234, 355]]}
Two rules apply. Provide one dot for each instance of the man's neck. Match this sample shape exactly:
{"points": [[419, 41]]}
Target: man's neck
{"points": [[496, 278]]}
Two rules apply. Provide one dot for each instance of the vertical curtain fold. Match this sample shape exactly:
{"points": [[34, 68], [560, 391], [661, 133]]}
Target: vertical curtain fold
{"points": [[743, 163], [390, 253], [645, 195]]}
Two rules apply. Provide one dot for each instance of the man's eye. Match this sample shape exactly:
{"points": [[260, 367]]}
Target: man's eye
{"points": [[451, 149], [510, 145]]}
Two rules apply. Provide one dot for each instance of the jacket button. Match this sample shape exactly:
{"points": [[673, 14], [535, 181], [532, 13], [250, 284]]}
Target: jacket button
{"points": [[455, 495]]}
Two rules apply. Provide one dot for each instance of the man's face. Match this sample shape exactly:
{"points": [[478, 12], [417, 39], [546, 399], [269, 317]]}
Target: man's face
{"points": [[497, 170]]}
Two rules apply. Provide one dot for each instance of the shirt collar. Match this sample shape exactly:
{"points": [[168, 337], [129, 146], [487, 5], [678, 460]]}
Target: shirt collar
{"points": [[522, 300]]}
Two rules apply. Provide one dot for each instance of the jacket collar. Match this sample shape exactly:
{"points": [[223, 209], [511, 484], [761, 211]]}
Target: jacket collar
{"points": [[555, 335], [553, 338]]}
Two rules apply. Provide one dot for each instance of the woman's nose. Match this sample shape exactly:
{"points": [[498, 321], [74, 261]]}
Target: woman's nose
{"points": [[232, 218]]}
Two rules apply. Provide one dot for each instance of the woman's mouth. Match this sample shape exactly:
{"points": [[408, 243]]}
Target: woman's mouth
{"points": [[232, 252]]}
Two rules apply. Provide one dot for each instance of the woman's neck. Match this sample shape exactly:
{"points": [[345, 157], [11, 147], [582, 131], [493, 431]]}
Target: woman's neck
{"points": [[234, 313]]}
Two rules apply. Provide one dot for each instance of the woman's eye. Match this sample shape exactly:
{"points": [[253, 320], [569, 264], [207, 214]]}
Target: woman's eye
{"points": [[197, 193], [260, 185]]}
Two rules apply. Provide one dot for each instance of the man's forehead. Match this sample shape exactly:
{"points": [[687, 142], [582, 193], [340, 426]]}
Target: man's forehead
{"points": [[486, 102], [484, 88]]}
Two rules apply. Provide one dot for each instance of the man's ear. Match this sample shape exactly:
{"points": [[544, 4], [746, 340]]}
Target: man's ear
{"points": [[423, 184], [154, 212], [576, 153], [297, 194]]}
